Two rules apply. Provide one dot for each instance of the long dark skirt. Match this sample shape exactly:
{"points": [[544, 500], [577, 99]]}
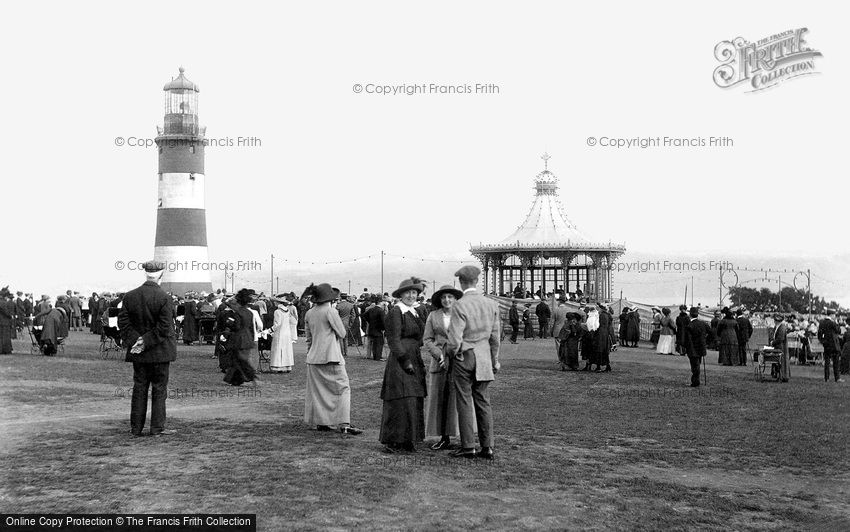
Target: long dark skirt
{"points": [[403, 421], [602, 357], [588, 346], [728, 355], [568, 352], [6, 339], [529, 330], [224, 356], [240, 370]]}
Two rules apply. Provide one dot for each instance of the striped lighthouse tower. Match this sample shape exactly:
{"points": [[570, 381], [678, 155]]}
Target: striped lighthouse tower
{"points": [[181, 221]]}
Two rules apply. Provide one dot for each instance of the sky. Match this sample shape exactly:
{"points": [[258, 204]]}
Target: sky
{"points": [[338, 174]]}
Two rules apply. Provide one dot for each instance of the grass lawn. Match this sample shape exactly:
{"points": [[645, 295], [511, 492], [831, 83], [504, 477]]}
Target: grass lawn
{"points": [[631, 449]]}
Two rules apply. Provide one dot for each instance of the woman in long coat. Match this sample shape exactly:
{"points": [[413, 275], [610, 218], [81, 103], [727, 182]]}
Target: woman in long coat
{"points": [[624, 326], [240, 340], [440, 409], [7, 321], [54, 329], [727, 333], [285, 332], [590, 343], [327, 399], [403, 390], [633, 328], [528, 332], [844, 368], [569, 337], [190, 321]]}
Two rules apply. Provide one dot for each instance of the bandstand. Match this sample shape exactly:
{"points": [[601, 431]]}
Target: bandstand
{"points": [[548, 251]]}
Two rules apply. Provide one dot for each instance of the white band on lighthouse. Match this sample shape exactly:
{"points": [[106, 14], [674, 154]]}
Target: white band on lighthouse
{"points": [[181, 191], [184, 264]]}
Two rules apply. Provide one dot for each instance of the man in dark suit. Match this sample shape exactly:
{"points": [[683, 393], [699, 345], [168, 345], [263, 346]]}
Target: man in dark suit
{"points": [[779, 340], [374, 319], [543, 314], [513, 320], [829, 334], [745, 330], [146, 324], [682, 321], [473, 339], [696, 341]]}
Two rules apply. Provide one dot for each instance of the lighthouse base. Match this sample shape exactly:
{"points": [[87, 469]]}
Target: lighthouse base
{"points": [[180, 288]]}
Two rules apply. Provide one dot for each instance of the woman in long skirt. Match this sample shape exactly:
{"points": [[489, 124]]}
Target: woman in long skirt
{"points": [[633, 328], [570, 336], [327, 399], [440, 409], [667, 339], [403, 390], [240, 339], [727, 332], [528, 332], [285, 333]]}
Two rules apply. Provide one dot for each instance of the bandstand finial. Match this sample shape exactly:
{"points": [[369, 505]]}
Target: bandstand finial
{"points": [[545, 158]]}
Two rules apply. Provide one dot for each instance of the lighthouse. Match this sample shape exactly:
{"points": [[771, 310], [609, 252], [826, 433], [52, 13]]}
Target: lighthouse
{"points": [[181, 220]]}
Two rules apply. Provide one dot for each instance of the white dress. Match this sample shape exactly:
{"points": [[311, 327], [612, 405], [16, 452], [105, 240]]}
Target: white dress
{"points": [[285, 334]]}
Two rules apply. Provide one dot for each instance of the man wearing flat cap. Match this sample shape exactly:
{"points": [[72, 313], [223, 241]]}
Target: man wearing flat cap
{"points": [[147, 327], [473, 338]]}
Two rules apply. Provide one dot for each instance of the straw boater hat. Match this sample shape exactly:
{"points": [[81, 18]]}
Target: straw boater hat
{"points": [[445, 289], [413, 283], [283, 299]]}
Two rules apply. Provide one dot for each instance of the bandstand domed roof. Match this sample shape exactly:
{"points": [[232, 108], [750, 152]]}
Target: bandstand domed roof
{"points": [[546, 221], [180, 83], [546, 226]]}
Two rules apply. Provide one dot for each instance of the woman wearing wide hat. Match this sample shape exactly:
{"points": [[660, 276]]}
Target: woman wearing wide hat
{"points": [[240, 344], [403, 390], [440, 409], [285, 333], [327, 402]]}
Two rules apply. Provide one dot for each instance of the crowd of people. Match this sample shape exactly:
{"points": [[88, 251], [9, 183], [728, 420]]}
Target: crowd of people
{"points": [[457, 331]]}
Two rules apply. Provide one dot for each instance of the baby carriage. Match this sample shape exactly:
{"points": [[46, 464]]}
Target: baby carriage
{"points": [[206, 324], [110, 337], [45, 347]]}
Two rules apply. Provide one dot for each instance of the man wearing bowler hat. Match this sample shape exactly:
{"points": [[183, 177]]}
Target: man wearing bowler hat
{"points": [[695, 338], [473, 338], [147, 327]]}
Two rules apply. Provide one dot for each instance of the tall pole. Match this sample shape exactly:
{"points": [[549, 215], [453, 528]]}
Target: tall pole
{"points": [[225, 277], [278, 284], [809, 290], [349, 287], [382, 272], [780, 293], [272, 278], [692, 291], [720, 303]]}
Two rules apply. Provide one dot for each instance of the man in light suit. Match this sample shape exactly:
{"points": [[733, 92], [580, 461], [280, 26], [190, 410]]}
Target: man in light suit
{"points": [[473, 337]]}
